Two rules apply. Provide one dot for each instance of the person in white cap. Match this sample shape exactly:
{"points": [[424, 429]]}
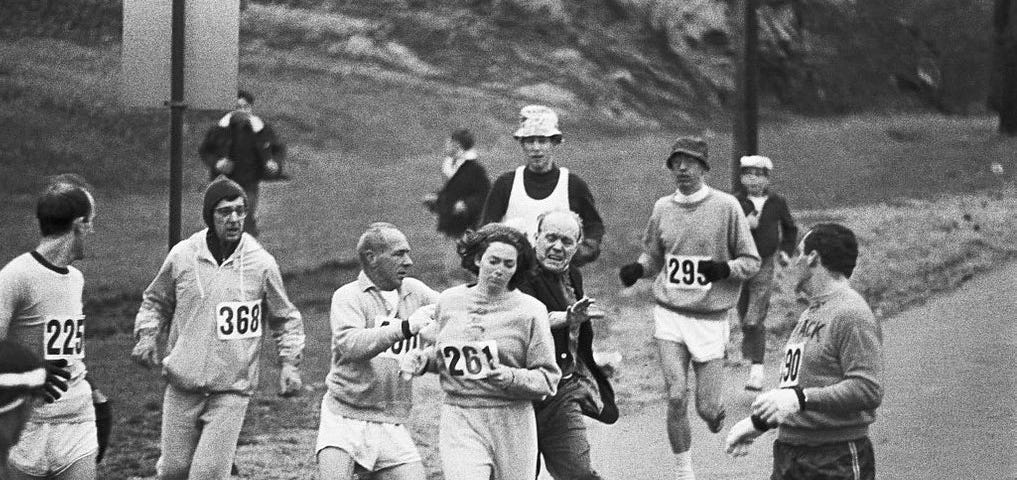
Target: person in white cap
{"points": [[518, 196], [41, 308], [216, 293], [698, 247], [22, 373], [775, 233]]}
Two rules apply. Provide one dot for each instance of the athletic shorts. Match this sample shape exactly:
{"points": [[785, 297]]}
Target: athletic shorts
{"points": [[851, 460], [706, 337], [372, 445], [46, 449]]}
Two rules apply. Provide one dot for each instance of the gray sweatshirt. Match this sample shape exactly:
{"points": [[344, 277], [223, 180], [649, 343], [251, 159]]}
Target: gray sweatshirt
{"points": [[512, 328], [840, 372], [678, 235]]}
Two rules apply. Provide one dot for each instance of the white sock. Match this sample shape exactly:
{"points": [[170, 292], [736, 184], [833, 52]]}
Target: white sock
{"points": [[757, 369], [685, 466]]}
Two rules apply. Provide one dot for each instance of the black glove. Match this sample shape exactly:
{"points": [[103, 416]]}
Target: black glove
{"points": [[103, 426], [713, 271], [630, 273], [57, 375]]}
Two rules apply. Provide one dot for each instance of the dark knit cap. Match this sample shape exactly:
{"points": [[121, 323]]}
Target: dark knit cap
{"points": [[222, 188]]}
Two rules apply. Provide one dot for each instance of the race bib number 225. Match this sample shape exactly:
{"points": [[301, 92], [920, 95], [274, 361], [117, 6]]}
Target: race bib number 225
{"points": [[64, 338]]}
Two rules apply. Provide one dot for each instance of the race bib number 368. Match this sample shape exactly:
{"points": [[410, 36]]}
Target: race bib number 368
{"points": [[470, 360], [683, 272], [64, 338], [238, 320]]}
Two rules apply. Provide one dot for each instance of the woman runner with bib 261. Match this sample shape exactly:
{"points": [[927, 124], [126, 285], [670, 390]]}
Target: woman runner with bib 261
{"points": [[495, 355]]}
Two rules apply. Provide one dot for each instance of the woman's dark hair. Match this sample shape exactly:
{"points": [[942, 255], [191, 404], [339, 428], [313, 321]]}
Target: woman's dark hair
{"points": [[474, 243], [837, 247]]}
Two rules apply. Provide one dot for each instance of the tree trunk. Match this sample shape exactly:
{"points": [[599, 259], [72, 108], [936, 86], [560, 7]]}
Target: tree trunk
{"points": [[1003, 89]]}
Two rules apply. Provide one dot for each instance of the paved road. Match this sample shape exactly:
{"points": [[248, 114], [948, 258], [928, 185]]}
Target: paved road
{"points": [[948, 413]]}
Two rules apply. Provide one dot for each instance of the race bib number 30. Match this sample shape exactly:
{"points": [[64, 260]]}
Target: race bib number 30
{"points": [[792, 365], [238, 320], [683, 272], [470, 360], [64, 338]]}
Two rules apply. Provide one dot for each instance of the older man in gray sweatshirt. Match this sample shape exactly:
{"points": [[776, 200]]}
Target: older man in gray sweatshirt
{"points": [[364, 413]]}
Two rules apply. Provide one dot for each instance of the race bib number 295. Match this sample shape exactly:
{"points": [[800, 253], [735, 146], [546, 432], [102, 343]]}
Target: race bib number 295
{"points": [[64, 338], [683, 272], [238, 320]]}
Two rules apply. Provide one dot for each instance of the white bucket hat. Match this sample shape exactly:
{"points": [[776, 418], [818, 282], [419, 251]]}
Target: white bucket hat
{"points": [[537, 121], [756, 161]]}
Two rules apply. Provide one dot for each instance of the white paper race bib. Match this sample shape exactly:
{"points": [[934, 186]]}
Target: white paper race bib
{"points": [[792, 365], [470, 360], [63, 338], [238, 320], [683, 272], [397, 350]]}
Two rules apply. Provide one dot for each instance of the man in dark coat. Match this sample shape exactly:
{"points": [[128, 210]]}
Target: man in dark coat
{"points": [[583, 388], [246, 149]]}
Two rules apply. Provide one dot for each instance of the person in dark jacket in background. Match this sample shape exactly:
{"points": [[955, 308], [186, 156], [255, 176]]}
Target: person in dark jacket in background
{"points": [[460, 201], [775, 233], [583, 389], [246, 149]]}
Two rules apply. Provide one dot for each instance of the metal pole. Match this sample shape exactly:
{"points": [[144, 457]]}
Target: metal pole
{"points": [[177, 107], [746, 121]]}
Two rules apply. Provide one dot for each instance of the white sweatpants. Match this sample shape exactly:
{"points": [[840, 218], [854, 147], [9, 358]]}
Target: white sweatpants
{"points": [[199, 434], [499, 443]]}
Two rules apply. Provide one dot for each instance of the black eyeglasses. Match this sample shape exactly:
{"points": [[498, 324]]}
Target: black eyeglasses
{"points": [[225, 212]]}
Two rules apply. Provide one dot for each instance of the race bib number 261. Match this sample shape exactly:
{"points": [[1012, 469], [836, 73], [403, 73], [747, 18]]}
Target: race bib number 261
{"points": [[470, 360], [238, 320], [64, 338]]}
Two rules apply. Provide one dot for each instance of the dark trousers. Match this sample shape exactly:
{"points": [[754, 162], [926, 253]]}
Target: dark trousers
{"points": [[852, 460], [561, 433], [251, 222]]}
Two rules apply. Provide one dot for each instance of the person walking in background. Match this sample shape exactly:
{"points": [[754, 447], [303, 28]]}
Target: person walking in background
{"points": [[246, 149], [364, 413], [698, 247], [22, 375], [215, 293], [775, 233], [831, 381], [495, 356], [518, 196], [41, 309], [583, 389], [460, 201]]}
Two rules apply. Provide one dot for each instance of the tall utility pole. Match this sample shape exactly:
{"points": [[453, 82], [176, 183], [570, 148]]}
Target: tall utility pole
{"points": [[177, 107], [746, 117]]}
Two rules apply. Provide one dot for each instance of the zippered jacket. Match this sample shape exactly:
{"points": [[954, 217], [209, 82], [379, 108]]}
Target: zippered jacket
{"points": [[216, 315]]}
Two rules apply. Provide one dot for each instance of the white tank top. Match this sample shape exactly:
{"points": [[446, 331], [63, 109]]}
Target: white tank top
{"points": [[522, 210]]}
